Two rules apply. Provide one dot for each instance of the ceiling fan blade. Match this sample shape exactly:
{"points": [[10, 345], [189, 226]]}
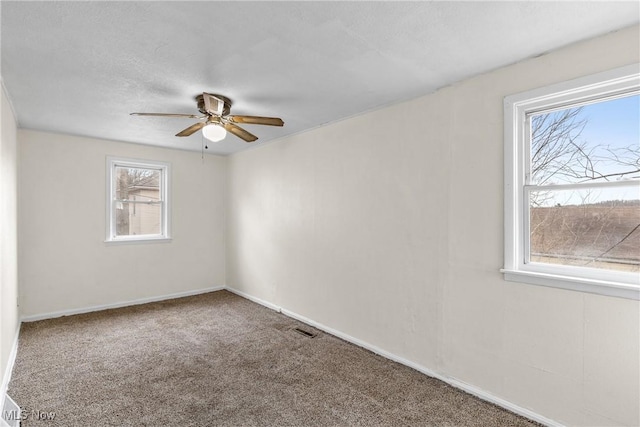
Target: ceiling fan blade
{"points": [[255, 120], [239, 132], [191, 116], [192, 129], [213, 104]]}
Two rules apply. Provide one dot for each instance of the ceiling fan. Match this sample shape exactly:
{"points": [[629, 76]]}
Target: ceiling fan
{"points": [[216, 120]]}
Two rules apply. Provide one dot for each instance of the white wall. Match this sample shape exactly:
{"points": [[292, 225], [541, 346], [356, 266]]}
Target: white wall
{"points": [[64, 263], [388, 227], [8, 235]]}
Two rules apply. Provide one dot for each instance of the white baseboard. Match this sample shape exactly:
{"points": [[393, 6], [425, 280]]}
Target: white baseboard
{"points": [[482, 394], [11, 413], [254, 299], [70, 312], [6, 377], [14, 350]]}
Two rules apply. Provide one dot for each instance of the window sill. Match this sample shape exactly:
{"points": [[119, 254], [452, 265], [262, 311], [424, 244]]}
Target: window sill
{"points": [[599, 287], [138, 241]]}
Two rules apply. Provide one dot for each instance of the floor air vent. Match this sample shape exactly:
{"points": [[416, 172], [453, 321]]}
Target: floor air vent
{"points": [[305, 333]]}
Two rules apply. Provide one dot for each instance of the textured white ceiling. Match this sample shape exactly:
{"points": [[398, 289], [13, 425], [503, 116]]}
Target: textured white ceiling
{"points": [[82, 67]]}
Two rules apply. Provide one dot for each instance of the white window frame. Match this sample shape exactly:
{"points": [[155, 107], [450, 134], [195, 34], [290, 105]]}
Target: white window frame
{"points": [[165, 193], [610, 84]]}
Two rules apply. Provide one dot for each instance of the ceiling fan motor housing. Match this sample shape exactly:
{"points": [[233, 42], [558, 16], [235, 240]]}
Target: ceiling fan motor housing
{"points": [[216, 109], [227, 104]]}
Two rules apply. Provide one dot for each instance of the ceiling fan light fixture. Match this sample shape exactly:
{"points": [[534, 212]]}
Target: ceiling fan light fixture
{"points": [[218, 120], [214, 132]]}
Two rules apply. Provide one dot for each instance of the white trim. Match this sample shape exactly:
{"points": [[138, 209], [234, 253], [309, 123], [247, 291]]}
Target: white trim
{"points": [[583, 185], [597, 287], [12, 411], [482, 394], [612, 83], [254, 299], [471, 389], [9, 368], [43, 316], [138, 240], [624, 79], [165, 186]]}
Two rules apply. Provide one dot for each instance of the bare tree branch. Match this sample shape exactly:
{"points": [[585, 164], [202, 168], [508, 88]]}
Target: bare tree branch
{"points": [[561, 154]]}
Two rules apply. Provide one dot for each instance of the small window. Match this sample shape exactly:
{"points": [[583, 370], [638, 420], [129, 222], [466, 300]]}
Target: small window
{"points": [[137, 200], [572, 185]]}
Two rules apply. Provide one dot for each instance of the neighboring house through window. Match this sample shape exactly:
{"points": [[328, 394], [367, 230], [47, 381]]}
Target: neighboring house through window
{"points": [[572, 184], [137, 200]]}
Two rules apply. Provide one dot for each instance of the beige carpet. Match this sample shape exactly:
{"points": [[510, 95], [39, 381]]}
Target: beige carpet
{"points": [[220, 360]]}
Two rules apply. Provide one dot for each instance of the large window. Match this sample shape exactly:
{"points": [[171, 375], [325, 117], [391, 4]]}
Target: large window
{"points": [[572, 185], [137, 200]]}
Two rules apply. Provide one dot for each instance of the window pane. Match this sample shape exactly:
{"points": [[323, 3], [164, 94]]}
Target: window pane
{"points": [[595, 142], [134, 219], [137, 184], [597, 228]]}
